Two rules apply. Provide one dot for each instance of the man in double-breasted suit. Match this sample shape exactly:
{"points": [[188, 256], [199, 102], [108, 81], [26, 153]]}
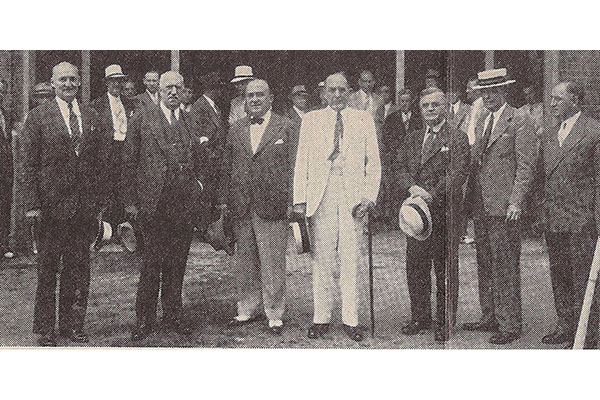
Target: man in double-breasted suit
{"points": [[502, 164], [256, 190], [433, 164], [63, 190], [162, 188], [570, 152], [336, 182]]}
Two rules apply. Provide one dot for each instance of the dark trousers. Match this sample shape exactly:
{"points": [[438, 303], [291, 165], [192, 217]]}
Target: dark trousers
{"points": [[570, 257], [5, 205], [498, 245], [114, 213], [69, 241], [167, 238]]}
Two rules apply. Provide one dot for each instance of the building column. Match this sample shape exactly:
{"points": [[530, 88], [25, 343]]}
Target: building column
{"points": [[175, 60], [86, 77], [551, 76], [399, 72], [26, 65], [489, 59]]}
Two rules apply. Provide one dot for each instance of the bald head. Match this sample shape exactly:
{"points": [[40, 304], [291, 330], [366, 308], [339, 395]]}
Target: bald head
{"points": [[171, 85], [65, 81], [258, 97], [336, 91]]}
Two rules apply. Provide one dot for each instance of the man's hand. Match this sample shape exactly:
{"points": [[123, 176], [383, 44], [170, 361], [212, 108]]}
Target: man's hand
{"points": [[131, 213], [34, 214], [418, 191], [361, 209], [513, 213]]}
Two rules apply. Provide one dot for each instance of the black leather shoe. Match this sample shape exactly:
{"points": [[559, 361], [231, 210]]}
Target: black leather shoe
{"points": [[141, 332], [353, 333], [504, 337], [440, 335], [317, 330], [481, 326], [415, 327], [47, 340], [75, 336], [556, 337]]}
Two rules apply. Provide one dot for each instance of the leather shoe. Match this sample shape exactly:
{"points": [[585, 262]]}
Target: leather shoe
{"points": [[317, 330], [556, 337], [504, 337], [481, 326], [353, 333], [179, 327], [415, 327], [75, 336], [440, 335], [47, 340], [141, 332]]}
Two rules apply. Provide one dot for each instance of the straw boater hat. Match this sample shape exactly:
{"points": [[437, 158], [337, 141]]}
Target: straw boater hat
{"points": [[242, 73], [124, 234], [414, 218], [114, 71], [492, 78]]}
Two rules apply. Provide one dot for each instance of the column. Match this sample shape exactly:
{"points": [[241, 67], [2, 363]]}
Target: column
{"points": [[86, 77], [399, 72], [26, 83], [175, 60], [489, 59]]}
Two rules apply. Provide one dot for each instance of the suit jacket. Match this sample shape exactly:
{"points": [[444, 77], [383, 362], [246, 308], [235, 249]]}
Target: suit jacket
{"points": [[507, 163], [460, 120], [102, 107], [536, 112], [441, 172], [362, 168], [6, 158], [146, 162], [571, 175], [259, 181], [56, 180], [143, 100], [393, 135], [294, 116], [378, 114]]}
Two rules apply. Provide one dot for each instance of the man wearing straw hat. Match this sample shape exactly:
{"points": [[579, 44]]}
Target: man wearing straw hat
{"points": [[433, 165], [237, 110], [502, 163], [571, 168]]}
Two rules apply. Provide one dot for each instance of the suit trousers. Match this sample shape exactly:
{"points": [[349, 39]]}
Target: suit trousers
{"points": [[5, 206], [335, 232], [114, 213], [260, 265], [167, 235], [570, 255], [69, 241], [498, 246]]}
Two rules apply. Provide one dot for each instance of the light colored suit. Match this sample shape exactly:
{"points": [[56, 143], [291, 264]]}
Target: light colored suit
{"points": [[330, 190]]}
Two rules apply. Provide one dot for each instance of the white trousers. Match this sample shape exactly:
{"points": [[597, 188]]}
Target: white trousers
{"points": [[335, 232]]}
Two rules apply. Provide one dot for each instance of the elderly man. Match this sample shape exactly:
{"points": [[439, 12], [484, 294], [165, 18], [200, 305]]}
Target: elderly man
{"points": [[64, 157], [162, 188], [336, 182], [365, 99], [256, 189], [299, 97], [433, 164], [237, 109], [151, 96], [503, 158], [112, 117], [571, 169], [6, 173]]}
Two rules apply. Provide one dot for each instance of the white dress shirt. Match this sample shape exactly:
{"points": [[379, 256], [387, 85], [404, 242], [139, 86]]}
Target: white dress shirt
{"points": [[257, 131], [477, 104], [153, 97], [497, 115], [64, 110], [167, 112], [565, 128], [367, 100], [119, 117]]}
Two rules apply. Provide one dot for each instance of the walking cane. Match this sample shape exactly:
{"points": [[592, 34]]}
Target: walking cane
{"points": [[587, 300], [370, 244]]}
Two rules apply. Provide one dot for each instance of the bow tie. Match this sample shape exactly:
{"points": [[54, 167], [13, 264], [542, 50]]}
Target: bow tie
{"points": [[256, 120]]}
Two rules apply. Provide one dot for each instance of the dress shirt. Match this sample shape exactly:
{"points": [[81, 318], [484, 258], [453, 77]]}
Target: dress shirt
{"points": [[406, 116], [256, 131], [64, 110], [167, 112], [367, 100], [212, 103], [475, 110], [565, 128], [119, 117], [387, 109], [497, 115], [455, 107], [153, 97], [299, 111]]}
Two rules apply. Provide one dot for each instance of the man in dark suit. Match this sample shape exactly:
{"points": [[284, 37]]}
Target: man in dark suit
{"points": [[6, 173], [256, 189], [299, 97], [112, 117], [187, 96], [425, 169], [128, 96], [502, 162], [458, 112], [162, 188], [151, 96], [63, 190], [571, 169]]}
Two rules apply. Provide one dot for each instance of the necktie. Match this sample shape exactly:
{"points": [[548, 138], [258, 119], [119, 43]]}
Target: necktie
{"points": [[427, 143], [256, 120], [562, 133], [337, 135], [485, 139], [121, 119], [173, 117], [75, 128]]}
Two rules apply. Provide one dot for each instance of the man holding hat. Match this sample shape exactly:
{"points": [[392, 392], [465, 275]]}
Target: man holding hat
{"points": [[432, 165], [237, 110], [112, 117], [299, 97], [336, 182], [162, 190], [571, 170], [64, 154], [502, 163]]}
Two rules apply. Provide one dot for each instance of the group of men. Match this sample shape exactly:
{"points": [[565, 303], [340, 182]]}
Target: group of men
{"points": [[174, 165]]}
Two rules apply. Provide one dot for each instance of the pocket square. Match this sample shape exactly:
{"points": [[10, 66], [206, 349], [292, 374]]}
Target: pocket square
{"points": [[203, 139], [280, 141], [444, 148]]}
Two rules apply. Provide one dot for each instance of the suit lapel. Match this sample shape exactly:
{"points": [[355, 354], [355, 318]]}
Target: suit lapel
{"points": [[269, 134], [162, 125], [245, 136], [417, 146], [436, 146], [576, 135], [501, 125]]}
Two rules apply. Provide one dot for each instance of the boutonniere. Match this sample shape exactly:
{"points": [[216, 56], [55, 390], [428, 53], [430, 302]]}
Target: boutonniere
{"points": [[280, 141], [203, 139]]}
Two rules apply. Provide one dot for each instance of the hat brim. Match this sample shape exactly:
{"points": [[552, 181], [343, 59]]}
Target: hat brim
{"points": [[406, 228], [478, 87], [241, 78], [115, 76]]}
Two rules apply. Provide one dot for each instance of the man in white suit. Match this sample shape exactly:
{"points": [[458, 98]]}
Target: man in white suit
{"points": [[336, 181]]}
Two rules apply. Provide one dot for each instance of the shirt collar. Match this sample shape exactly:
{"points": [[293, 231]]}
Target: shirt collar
{"points": [[167, 112], [113, 98], [363, 94], [152, 96], [210, 101], [571, 120], [438, 127], [299, 111], [63, 105], [406, 116], [499, 111], [266, 118]]}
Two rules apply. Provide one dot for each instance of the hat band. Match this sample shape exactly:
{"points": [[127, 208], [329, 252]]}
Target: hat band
{"points": [[492, 81], [422, 215]]}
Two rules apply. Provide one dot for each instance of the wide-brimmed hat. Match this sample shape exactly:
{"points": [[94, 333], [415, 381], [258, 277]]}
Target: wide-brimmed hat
{"points": [[113, 71], [492, 78], [124, 234], [299, 227], [242, 73], [414, 218]]}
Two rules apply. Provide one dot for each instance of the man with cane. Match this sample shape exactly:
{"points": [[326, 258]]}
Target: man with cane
{"points": [[571, 169], [336, 182]]}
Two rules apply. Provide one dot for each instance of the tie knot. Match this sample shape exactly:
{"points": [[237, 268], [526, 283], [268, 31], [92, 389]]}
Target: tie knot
{"points": [[564, 125], [70, 106], [256, 120]]}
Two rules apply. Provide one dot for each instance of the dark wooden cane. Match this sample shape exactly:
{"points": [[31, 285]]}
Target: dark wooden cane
{"points": [[370, 243]]}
